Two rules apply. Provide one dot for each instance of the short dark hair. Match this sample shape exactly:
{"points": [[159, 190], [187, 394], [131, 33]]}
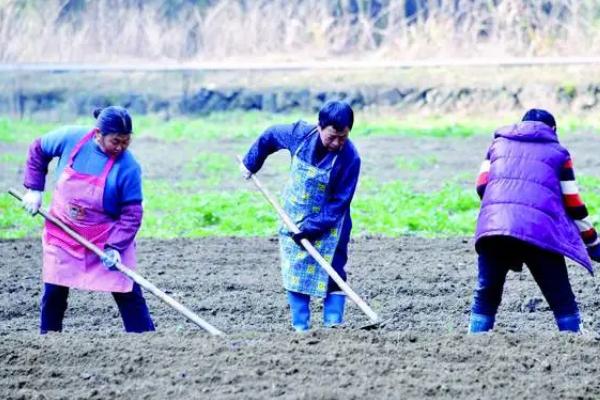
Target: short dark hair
{"points": [[113, 119], [338, 114], [537, 114]]}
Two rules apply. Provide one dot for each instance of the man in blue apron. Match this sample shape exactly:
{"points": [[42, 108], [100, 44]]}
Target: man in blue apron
{"points": [[323, 176]]}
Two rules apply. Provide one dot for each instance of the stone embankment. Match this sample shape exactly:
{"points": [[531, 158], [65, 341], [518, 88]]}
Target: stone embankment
{"points": [[68, 101]]}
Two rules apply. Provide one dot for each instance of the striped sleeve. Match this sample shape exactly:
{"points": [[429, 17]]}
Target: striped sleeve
{"points": [[575, 206], [483, 176]]}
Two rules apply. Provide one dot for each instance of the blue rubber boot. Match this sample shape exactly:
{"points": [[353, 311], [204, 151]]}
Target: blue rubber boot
{"points": [[569, 323], [333, 309], [481, 323], [300, 310]]}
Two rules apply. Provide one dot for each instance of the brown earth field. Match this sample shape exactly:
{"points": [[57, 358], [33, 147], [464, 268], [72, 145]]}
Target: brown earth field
{"points": [[422, 286]]}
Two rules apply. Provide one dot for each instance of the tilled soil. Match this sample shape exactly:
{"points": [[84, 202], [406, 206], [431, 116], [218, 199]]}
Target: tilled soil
{"points": [[422, 286]]}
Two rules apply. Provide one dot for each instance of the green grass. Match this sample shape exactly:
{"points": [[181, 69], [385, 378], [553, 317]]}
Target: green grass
{"points": [[415, 164], [590, 192], [245, 125], [435, 127], [15, 130], [193, 208], [12, 159], [15, 222], [177, 211], [212, 168], [389, 209], [217, 126], [169, 214], [240, 125], [394, 209]]}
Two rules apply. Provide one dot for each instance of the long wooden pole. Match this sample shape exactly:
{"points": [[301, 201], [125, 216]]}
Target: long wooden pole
{"points": [[143, 282], [315, 254]]}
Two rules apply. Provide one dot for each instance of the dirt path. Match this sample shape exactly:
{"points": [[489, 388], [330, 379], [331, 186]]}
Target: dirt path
{"points": [[423, 285]]}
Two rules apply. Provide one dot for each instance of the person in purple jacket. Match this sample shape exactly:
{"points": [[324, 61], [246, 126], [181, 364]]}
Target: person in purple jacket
{"points": [[98, 194], [531, 212]]}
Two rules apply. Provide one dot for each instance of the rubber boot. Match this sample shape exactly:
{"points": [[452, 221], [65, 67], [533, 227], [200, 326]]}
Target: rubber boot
{"points": [[300, 310], [481, 323], [569, 323], [333, 309]]}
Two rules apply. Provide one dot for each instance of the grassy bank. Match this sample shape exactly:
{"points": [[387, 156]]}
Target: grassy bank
{"points": [[198, 201], [232, 126], [244, 125], [389, 209]]}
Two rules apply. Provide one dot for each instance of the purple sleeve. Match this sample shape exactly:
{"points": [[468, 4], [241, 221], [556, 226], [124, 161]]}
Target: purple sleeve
{"points": [[126, 227], [36, 166]]}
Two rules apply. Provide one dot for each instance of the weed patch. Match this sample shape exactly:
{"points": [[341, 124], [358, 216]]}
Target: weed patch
{"points": [[388, 209], [249, 125]]}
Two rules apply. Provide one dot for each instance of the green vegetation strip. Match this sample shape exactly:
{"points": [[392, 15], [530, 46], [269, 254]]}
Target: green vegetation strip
{"points": [[245, 125], [389, 209]]}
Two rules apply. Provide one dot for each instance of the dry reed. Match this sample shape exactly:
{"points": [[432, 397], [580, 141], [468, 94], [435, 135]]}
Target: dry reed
{"points": [[124, 31]]}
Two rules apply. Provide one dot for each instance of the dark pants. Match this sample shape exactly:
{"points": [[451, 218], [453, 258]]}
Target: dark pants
{"points": [[340, 258], [499, 254], [132, 306], [339, 267]]}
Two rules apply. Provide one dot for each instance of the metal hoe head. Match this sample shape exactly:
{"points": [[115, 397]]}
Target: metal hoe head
{"points": [[375, 325]]}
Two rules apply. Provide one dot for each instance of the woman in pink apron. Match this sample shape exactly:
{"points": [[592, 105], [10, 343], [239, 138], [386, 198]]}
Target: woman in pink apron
{"points": [[98, 194]]}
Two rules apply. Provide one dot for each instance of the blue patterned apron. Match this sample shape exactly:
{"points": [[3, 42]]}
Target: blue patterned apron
{"points": [[304, 196]]}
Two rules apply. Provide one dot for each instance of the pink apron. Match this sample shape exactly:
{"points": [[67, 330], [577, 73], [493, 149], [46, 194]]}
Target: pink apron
{"points": [[78, 202]]}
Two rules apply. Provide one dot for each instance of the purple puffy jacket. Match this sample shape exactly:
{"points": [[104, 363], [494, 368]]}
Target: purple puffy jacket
{"points": [[523, 198]]}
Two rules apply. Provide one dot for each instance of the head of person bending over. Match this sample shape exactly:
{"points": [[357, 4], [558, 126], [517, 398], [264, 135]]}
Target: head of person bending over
{"points": [[113, 130], [335, 123], [539, 115]]}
